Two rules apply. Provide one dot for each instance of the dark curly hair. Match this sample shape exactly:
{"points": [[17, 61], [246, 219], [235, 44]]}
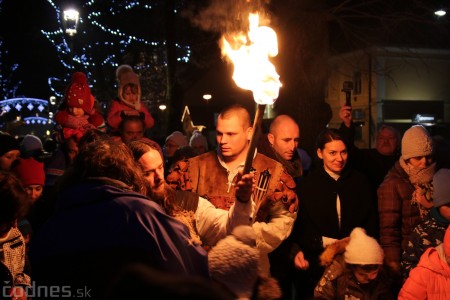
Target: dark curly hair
{"points": [[106, 158]]}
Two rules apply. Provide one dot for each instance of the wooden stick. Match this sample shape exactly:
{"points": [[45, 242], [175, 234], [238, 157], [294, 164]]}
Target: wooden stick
{"points": [[255, 136]]}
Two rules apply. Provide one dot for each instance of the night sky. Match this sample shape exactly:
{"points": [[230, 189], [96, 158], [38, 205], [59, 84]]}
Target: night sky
{"points": [[20, 26]]}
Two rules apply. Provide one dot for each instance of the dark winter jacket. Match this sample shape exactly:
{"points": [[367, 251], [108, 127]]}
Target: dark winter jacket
{"points": [[429, 233], [317, 216], [398, 216], [99, 228]]}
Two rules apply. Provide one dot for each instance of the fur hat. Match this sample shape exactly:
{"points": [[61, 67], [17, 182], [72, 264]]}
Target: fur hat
{"points": [[363, 249], [125, 75], [447, 242], [416, 141], [198, 139], [234, 261], [178, 138], [8, 143], [441, 187], [79, 94], [30, 171]]}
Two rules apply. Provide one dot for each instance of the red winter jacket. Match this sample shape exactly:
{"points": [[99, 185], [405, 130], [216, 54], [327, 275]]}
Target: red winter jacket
{"points": [[117, 107]]}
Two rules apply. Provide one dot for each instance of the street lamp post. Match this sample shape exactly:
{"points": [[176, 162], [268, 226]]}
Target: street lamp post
{"points": [[70, 21]]}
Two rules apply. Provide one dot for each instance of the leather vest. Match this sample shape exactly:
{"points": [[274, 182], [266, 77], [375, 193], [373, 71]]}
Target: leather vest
{"points": [[209, 179]]}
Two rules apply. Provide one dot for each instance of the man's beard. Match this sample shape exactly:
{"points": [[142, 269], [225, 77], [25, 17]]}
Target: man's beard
{"points": [[157, 193]]}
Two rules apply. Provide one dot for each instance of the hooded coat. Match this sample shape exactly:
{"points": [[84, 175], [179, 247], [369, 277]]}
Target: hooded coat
{"points": [[430, 279]]}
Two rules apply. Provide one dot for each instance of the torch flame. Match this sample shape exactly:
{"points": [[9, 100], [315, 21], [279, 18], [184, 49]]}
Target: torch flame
{"points": [[252, 67]]}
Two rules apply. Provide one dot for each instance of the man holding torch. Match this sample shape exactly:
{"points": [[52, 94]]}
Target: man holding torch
{"points": [[213, 176]]}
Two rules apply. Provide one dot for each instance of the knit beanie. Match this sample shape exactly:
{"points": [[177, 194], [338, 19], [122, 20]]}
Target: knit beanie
{"points": [[31, 144], [416, 141], [129, 77], [178, 138], [122, 69], [8, 143], [447, 241], [441, 187], [363, 249], [198, 139], [234, 261], [79, 94], [30, 171]]}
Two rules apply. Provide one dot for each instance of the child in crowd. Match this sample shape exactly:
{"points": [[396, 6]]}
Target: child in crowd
{"points": [[357, 273], [129, 99], [79, 114], [13, 205], [9, 151], [431, 278], [430, 232], [31, 174]]}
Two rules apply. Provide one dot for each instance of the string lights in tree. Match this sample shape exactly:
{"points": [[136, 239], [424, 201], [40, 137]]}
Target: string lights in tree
{"points": [[105, 39], [8, 84]]}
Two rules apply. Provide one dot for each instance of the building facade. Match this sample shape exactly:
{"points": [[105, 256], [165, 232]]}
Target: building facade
{"points": [[397, 86]]}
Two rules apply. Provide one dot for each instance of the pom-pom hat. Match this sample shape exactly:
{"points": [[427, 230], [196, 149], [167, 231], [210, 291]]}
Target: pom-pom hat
{"points": [[363, 249], [79, 94]]}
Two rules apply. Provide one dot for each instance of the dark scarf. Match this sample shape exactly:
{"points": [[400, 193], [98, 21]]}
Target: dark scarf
{"points": [[293, 166]]}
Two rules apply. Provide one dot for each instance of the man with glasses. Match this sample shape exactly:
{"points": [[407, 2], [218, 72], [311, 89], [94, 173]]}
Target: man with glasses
{"points": [[373, 162]]}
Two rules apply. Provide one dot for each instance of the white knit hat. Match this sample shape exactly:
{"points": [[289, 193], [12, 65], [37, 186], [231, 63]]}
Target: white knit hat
{"points": [[363, 249], [416, 141], [234, 261]]}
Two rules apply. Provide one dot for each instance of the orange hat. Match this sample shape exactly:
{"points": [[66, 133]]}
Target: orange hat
{"points": [[79, 94], [30, 171]]}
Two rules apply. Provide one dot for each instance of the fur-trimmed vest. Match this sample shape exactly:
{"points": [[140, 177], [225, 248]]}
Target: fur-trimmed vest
{"points": [[205, 176]]}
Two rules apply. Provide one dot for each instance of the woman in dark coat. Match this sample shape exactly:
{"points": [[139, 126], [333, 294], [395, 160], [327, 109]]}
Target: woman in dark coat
{"points": [[334, 199]]}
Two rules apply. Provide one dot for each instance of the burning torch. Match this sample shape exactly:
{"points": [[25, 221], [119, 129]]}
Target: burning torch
{"points": [[254, 71]]}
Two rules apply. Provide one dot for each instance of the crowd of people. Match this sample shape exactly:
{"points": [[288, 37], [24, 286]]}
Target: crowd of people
{"points": [[111, 214]]}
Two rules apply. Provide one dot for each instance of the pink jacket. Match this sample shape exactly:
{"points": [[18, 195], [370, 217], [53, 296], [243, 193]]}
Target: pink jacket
{"points": [[430, 279], [117, 107]]}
